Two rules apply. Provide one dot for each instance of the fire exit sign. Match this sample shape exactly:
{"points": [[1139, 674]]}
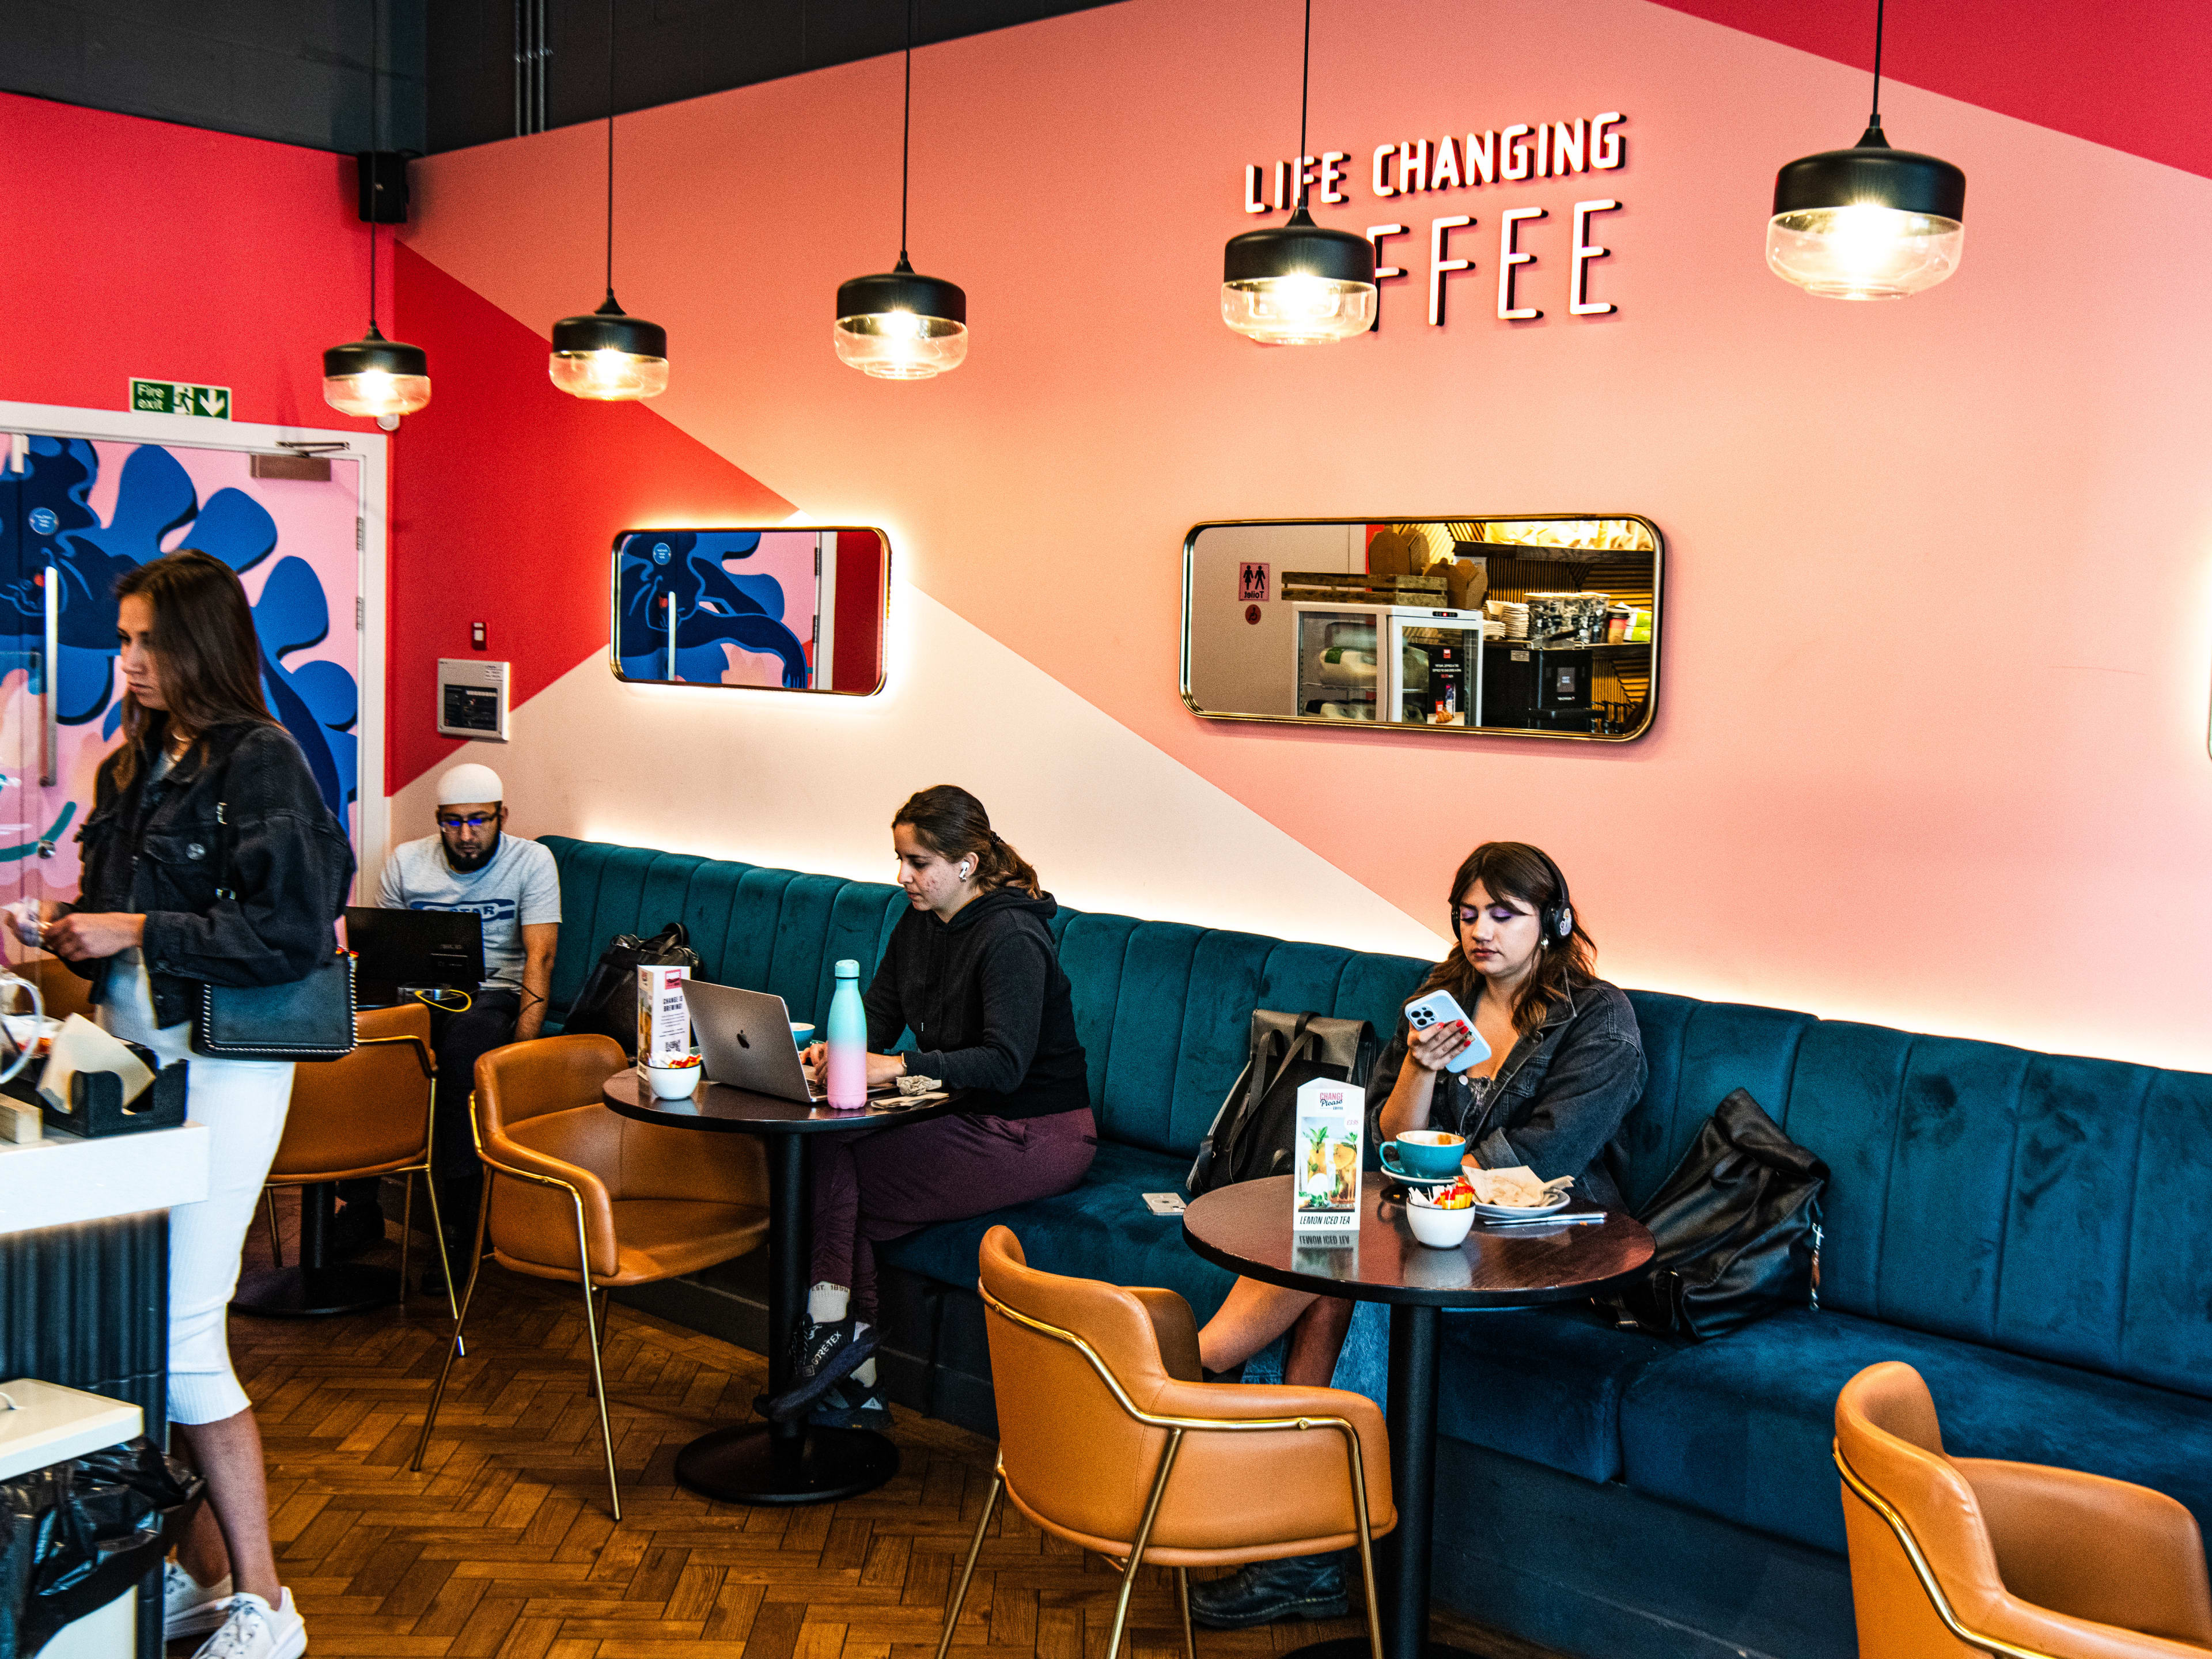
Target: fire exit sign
{"points": [[174, 397]]}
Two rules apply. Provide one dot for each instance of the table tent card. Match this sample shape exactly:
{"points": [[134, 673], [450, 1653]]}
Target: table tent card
{"points": [[1331, 1123], [664, 1020]]}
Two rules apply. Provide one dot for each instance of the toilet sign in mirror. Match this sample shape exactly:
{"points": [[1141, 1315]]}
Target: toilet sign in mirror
{"points": [[776, 610], [1545, 625]]}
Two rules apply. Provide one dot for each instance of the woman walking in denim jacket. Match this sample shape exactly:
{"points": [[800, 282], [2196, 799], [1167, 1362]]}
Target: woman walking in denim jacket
{"points": [[1565, 1064], [209, 859]]}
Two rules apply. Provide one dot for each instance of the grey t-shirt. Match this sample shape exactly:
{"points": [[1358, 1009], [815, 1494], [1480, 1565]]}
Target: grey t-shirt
{"points": [[520, 887]]}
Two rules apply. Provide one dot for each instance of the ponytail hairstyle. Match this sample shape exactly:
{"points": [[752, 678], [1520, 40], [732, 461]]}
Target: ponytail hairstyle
{"points": [[205, 651], [953, 823], [1514, 870]]}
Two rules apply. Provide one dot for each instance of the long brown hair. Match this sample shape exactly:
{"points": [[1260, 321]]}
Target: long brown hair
{"points": [[953, 823], [205, 651], [1514, 870]]}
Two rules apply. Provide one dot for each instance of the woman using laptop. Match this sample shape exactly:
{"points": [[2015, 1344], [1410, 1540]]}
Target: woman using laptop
{"points": [[209, 859], [973, 973]]}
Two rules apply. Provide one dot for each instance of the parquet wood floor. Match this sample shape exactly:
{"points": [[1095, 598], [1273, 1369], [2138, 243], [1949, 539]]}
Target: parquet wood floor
{"points": [[502, 1547]]}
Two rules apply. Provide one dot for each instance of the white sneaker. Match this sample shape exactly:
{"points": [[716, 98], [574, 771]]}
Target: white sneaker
{"points": [[254, 1630], [190, 1607]]}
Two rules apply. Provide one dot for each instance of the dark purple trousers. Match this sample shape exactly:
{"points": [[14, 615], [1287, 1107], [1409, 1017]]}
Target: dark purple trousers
{"points": [[869, 1188]]}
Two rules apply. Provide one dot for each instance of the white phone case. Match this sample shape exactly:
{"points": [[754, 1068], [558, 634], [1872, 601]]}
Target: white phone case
{"points": [[1442, 1008]]}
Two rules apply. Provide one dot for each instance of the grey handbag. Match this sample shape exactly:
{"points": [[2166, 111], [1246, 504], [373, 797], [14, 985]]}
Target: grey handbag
{"points": [[310, 1018]]}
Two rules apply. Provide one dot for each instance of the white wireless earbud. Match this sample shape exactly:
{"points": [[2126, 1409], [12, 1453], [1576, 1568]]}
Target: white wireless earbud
{"points": [[966, 871]]}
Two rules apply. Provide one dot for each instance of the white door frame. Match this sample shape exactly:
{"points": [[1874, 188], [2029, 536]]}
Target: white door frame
{"points": [[371, 449]]}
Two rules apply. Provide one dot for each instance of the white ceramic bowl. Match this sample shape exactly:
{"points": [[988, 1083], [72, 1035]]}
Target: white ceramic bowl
{"points": [[1442, 1230], [674, 1082]]}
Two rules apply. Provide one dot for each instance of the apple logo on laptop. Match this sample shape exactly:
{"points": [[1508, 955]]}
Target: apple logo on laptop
{"points": [[742, 1043]]}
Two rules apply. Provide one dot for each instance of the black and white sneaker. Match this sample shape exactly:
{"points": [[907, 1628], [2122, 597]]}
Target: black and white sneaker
{"points": [[852, 1404], [822, 1355]]}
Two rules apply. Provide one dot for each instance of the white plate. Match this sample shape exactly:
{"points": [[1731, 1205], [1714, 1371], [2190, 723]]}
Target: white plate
{"points": [[1512, 1212]]}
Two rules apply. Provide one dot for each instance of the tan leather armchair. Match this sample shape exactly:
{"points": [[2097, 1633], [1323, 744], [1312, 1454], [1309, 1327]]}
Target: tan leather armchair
{"points": [[1109, 1438], [1970, 1556], [366, 1115], [574, 1190]]}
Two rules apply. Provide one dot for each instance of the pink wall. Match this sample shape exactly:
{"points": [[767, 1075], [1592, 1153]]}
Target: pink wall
{"points": [[1932, 743]]}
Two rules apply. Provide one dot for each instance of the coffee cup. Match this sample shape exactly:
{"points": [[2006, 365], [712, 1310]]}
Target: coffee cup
{"points": [[1433, 1152]]}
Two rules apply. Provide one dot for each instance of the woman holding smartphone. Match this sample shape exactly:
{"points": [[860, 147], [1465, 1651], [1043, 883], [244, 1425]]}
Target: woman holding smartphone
{"points": [[972, 971], [209, 859], [1564, 1063]]}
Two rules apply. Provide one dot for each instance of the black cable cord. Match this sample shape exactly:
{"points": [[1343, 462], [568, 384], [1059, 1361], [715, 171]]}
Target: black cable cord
{"points": [[375, 64], [611, 149], [1875, 118], [906, 130], [1305, 80]]}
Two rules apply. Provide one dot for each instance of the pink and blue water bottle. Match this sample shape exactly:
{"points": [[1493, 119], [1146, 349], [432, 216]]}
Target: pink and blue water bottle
{"points": [[849, 1042]]}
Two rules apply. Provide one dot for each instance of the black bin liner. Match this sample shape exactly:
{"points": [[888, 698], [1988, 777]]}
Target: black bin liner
{"points": [[76, 1534]]}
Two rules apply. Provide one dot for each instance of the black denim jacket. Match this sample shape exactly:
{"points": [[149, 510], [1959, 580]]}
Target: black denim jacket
{"points": [[158, 850], [1557, 1102]]}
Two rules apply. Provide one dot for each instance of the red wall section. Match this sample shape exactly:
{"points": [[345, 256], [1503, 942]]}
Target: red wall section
{"points": [[139, 248], [506, 498], [2129, 75], [859, 611]]}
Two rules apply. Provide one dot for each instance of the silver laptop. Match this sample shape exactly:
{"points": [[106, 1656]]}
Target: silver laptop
{"points": [[745, 1038]]}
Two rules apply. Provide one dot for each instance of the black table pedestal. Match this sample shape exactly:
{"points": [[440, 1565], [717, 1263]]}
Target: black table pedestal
{"points": [[317, 1288], [786, 1462]]}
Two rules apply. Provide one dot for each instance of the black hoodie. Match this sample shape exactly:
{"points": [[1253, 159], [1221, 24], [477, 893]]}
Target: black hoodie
{"points": [[988, 1006]]}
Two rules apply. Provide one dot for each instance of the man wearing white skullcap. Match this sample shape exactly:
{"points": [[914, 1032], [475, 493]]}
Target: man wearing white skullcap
{"points": [[471, 864]]}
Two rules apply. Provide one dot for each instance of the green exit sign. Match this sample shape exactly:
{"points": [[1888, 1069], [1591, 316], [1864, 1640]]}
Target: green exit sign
{"points": [[174, 397]]}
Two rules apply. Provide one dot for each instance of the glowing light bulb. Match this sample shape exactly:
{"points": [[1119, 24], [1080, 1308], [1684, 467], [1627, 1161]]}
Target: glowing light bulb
{"points": [[375, 377], [901, 326], [1298, 284]]}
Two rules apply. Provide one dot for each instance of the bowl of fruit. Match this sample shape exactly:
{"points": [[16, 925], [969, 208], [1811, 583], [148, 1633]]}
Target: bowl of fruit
{"points": [[1441, 1218], [675, 1079]]}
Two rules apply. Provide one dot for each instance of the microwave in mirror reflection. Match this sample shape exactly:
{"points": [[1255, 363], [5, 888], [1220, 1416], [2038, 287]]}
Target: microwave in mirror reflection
{"points": [[787, 609], [1543, 625]]}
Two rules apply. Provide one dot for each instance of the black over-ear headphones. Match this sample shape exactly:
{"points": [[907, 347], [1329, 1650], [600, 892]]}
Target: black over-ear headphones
{"points": [[1558, 920]]}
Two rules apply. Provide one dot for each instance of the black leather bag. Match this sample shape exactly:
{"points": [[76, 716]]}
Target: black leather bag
{"points": [[310, 1018], [1738, 1228], [1252, 1131], [607, 1006]]}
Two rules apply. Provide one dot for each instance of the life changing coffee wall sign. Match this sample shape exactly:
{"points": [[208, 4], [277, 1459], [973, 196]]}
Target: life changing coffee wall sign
{"points": [[1520, 154]]}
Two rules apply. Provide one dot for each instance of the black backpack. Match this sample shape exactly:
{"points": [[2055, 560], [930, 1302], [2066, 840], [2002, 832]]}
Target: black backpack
{"points": [[1251, 1133], [1738, 1228], [607, 1006]]}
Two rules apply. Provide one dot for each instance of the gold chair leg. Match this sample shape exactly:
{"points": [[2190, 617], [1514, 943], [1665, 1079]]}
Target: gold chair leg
{"points": [[1183, 1601], [438, 1231], [598, 1378], [967, 1573], [268, 1208], [1137, 1545], [1367, 1544], [406, 1232], [460, 1319]]}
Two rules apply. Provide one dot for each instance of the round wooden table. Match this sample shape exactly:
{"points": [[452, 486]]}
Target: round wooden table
{"points": [[1247, 1229], [775, 1462]]}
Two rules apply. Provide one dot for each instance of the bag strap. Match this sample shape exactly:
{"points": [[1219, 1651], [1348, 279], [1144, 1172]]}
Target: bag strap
{"points": [[1297, 1043]]}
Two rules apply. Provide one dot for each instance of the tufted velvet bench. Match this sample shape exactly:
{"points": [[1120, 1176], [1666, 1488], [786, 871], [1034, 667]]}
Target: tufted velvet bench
{"points": [[2032, 1233]]}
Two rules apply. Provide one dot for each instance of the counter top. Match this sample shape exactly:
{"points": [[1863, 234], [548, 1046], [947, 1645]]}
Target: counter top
{"points": [[61, 1179]]}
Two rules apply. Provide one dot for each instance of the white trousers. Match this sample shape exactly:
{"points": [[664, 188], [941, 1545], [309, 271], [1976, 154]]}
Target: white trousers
{"points": [[241, 1103]]}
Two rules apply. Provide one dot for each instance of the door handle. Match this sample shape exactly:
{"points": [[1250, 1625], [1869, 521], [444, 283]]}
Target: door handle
{"points": [[50, 739]]}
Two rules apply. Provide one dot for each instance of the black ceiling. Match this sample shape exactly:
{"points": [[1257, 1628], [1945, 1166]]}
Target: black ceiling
{"points": [[299, 71]]}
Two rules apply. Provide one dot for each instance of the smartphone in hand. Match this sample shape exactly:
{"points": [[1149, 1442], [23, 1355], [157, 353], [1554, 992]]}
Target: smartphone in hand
{"points": [[1442, 1008]]}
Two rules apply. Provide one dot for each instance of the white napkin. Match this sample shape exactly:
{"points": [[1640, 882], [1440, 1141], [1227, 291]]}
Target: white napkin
{"points": [[1517, 1189], [81, 1046]]}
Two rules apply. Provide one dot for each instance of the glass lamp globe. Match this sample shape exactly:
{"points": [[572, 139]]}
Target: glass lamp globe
{"points": [[1870, 223], [608, 357], [375, 377], [901, 326], [1298, 284]]}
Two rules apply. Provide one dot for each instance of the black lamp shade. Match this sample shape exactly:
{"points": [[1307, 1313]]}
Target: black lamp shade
{"points": [[902, 289], [1871, 173], [609, 329], [1298, 247], [374, 355]]}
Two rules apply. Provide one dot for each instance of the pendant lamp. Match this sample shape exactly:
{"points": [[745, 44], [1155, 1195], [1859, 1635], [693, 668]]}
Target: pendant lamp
{"points": [[901, 326], [1870, 223], [1299, 284], [609, 357], [372, 376]]}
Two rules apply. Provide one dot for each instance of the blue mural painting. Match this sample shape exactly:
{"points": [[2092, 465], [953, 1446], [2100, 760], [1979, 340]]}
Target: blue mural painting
{"points": [[713, 606], [45, 522]]}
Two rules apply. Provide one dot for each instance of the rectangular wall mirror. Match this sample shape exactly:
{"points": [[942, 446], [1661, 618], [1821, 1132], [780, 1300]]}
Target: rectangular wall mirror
{"points": [[1543, 626], [776, 610]]}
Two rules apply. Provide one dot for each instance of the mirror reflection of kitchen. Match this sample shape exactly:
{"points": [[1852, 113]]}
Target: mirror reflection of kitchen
{"points": [[1543, 625], [788, 610]]}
